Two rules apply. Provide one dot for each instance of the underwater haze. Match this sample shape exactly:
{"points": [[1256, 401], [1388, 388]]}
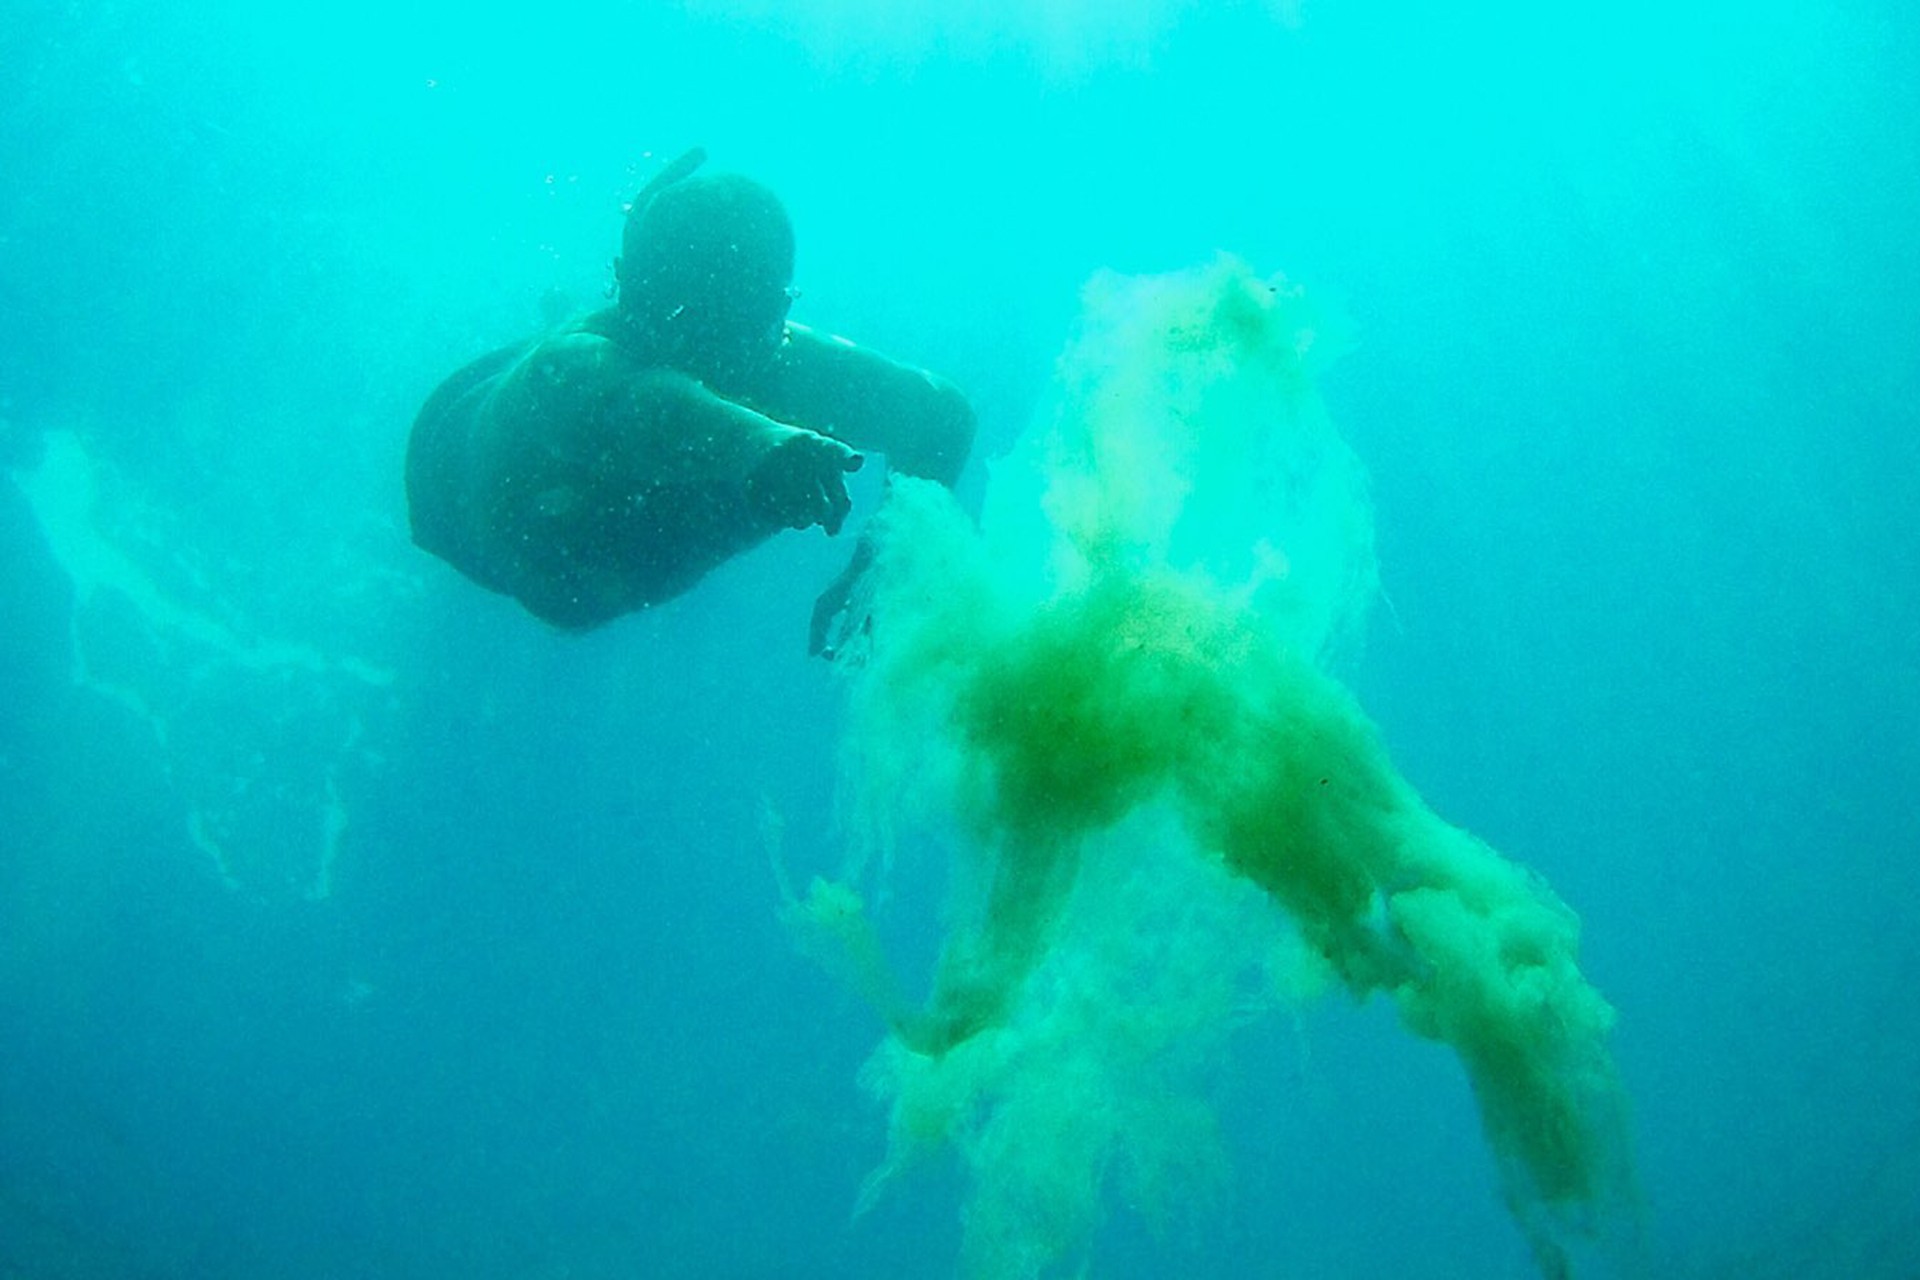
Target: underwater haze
{"points": [[353, 922]]}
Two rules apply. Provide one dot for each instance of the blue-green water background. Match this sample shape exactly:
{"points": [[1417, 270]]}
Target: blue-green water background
{"points": [[1637, 365]]}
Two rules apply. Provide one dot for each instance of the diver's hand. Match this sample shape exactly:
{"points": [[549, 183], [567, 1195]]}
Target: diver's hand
{"points": [[802, 481], [840, 614]]}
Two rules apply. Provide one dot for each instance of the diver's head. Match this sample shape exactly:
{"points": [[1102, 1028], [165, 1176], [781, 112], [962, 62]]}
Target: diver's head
{"points": [[704, 271]]}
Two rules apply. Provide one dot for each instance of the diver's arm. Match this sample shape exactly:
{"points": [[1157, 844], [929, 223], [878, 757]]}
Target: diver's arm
{"points": [[609, 485], [920, 421], [580, 414], [676, 434]]}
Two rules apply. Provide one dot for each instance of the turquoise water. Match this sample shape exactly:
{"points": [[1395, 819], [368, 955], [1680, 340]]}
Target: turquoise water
{"points": [[352, 923]]}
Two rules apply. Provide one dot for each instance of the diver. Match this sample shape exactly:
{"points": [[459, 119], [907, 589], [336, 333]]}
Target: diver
{"points": [[611, 463]]}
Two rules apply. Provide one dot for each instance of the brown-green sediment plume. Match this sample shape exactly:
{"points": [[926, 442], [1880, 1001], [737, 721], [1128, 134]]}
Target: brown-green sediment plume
{"points": [[1118, 689]]}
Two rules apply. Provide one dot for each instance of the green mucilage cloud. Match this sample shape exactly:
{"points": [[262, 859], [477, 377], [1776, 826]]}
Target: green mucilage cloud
{"points": [[1116, 691]]}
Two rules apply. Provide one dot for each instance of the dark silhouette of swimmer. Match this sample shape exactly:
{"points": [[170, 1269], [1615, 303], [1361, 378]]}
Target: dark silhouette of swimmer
{"points": [[610, 464]]}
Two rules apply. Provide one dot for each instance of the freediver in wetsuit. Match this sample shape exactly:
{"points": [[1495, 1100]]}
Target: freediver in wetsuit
{"points": [[612, 463]]}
